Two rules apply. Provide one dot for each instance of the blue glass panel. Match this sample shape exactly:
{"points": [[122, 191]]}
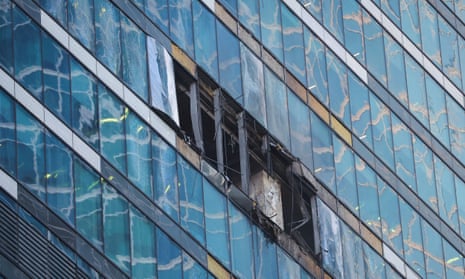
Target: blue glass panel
{"points": [[138, 3], [30, 148], [360, 110], [338, 88], [449, 52], [27, 55], [266, 265], [288, 268], [390, 217], [445, 187], [345, 174], [416, 90], [241, 243], [413, 240], [84, 104], [192, 269], [456, 128], [425, 173], [157, 11], [169, 257], [323, 162], [437, 111], [107, 35], [229, 62], [6, 36], [205, 42], [59, 178], [352, 252], [429, 32], [191, 199], [299, 121], [403, 149], [392, 9], [216, 223], [56, 78], [374, 47], [181, 24], [460, 189], [253, 84], [138, 153], [293, 44], [270, 22], [277, 109], [314, 7], [134, 57], [81, 22], [434, 257], [231, 5], [453, 262], [368, 195], [332, 18], [316, 66], [410, 21], [7, 134], [353, 29], [374, 264], [116, 228], [142, 246], [88, 203], [382, 132], [165, 179], [395, 68], [56, 9], [249, 16], [112, 122]]}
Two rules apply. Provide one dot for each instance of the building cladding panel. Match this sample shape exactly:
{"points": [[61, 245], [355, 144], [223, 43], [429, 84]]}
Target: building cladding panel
{"points": [[232, 138]]}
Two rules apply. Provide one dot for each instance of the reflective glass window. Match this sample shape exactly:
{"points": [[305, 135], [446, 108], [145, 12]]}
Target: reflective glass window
{"points": [[59, 178], [270, 17], [453, 261], [157, 11], [410, 20], [424, 170], [191, 199], [249, 15], [81, 22], [205, 42], [382, 132], [7, 134], [395, 68], [231, 5], [338, 88], [314, 7], [112, 124], [293, 43], [253, 84], [88, 203], [299, 121], [392, 9], [169, 257], [434, 257], [332, 18], [360, 110], [27, 54], [142, 246], [460, 189], [374, 47], [181, 24], [429, 32], [352, 253], [56, 78], [403, 151], [266, 265], [116, 228], [445, 187], [449, 52], [345, 174], [456, 128], [229, 62], [416, 90], [138, 153], [323, 162], [30, 148], [107, 35], [315, 59], [277, 108], [56, 9], [390, 217], [134, 57], [353, 29], [84, 103], [192, 269], [288, 268], [216, 223], [374, 264], [241, 243], [138, 3], [6, 36], [437, 111], [367, 188]]}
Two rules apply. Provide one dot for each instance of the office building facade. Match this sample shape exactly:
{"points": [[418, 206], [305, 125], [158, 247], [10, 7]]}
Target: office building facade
{"points": [[232, 139]]}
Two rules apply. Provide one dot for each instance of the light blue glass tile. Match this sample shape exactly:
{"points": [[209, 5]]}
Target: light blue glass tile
{"points": [[241, 243], [434, 257], [266, 265], [157, 11], [424, 169], [445, 187], [360, 110], [395, 69], [81, 22], [410, 20], [403, 151], [6, 36], [437, 111], [142, 246], [299, 121], [449, 52], [390, 217], [57, 9], [353, 29], [323, 153], [374, 47], [346, 187], [270, 21], [382, 131], [181, 25], [249, 15], [338, 88], [332, 18], [169, 257], [429, 32], [316, 66], [192, 269], [7, 134], [288, 268]]}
